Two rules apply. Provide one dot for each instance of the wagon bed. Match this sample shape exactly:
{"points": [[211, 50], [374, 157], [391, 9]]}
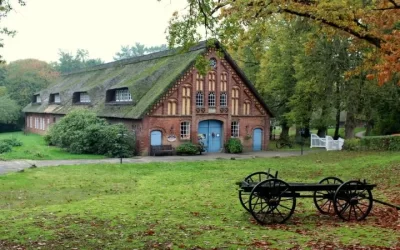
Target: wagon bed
{"points": [[271, 200]]}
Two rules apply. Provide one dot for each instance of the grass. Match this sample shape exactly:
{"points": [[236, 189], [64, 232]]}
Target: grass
{"points": [[35, 148], [187, 205]]}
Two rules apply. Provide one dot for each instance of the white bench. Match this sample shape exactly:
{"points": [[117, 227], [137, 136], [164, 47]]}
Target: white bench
{"points": [[328, 142]]}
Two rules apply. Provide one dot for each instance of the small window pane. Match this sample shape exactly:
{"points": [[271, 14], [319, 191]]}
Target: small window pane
{"points": [[123, 95], [84, 97]]}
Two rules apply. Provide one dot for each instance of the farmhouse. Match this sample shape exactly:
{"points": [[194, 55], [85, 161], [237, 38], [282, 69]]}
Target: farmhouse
{"points": [[164, 99]]}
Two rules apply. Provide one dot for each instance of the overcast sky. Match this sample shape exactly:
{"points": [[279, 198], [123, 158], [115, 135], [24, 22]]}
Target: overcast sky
{"points": [[100, 26]]}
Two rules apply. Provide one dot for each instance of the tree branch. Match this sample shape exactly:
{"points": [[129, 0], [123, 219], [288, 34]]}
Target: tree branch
{"points": [[369, 38]]}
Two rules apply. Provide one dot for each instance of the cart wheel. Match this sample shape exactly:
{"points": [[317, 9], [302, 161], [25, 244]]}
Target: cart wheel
{"points": [[352, 201], [258, 177], [254, 177], [272, 201], [324, 204]]}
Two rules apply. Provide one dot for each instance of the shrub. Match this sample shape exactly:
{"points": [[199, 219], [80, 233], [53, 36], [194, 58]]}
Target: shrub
{"points": [[13, 142], [5, 147], [234, 146], [187, 148], [82, 132], [351, 144], [380, 143]]}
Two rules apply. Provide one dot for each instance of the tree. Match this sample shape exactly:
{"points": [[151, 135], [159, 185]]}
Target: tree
{"points": [[25, 77], [137, 50], [9, 110], [374, 24], [69, 62], [5, 8]]}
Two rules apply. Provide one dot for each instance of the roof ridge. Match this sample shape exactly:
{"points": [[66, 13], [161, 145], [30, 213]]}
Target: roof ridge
{"points": [[137, 59]]}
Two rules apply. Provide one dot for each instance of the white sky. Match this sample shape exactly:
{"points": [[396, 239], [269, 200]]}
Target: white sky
{"points": [[100, 26]]}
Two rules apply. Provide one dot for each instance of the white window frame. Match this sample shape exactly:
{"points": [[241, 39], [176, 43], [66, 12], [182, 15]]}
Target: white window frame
{"points": [[234, 129], [38, 99], [123, 95], [199, 99], [57, 98], [84, 97], [185, 130], [223, 99], [211, 99]]}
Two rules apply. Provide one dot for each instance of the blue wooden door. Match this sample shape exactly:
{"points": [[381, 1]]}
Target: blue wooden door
{"points": [[210, 132], [257, 139], [155, 138]]}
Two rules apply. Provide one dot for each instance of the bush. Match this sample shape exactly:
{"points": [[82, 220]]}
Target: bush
{"points": [[5, 147], [82, 132], [380, 143], [187, 148], [13, 142], [234, 146], [351, 144]]}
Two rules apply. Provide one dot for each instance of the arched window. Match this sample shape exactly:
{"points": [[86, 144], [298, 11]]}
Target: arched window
{"points": [[199, 99], [223, 99], [185, 130], [211, 99], [199, 82]]}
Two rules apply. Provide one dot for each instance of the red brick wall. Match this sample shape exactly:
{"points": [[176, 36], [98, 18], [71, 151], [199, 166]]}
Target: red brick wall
{"points": [[33, 122]]}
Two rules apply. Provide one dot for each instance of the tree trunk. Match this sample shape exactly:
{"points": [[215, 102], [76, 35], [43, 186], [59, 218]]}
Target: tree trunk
{"points": [[321, 132], [349, 126], [285, 131], [336, 136]]}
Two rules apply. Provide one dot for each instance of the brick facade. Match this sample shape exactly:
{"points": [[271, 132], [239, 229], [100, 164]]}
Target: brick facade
{"points": [[179, 105]]}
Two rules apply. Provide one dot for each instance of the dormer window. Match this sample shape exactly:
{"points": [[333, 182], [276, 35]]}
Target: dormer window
{"points": [[81, 98], [118, 96], [123, 95], [55, 98], [37, 99]]}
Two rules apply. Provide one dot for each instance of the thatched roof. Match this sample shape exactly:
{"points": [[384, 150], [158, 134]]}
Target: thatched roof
{"points": [[147, 78]]}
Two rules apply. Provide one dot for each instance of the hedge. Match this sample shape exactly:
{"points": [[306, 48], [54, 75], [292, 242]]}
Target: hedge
{"points": [[373, 143]]}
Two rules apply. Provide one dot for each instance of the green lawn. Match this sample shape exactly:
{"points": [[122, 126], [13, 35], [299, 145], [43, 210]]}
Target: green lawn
{"points": [[188, 205], [35, 148]]}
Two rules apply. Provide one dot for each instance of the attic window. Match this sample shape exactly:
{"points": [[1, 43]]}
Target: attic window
{"points": [[55, 98], [118, 96], [37, 99], [81, 98]]}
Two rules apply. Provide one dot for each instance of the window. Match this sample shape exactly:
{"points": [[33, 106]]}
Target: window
{"points": [[213, 63], [246, 107], [223, 101], [171, 107], [37, 99], [186, 101], [211, 99], [123, 95], [235, 101], [199, 99], [55, 98], [84, 97], [235, 129], [185, 130]]}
